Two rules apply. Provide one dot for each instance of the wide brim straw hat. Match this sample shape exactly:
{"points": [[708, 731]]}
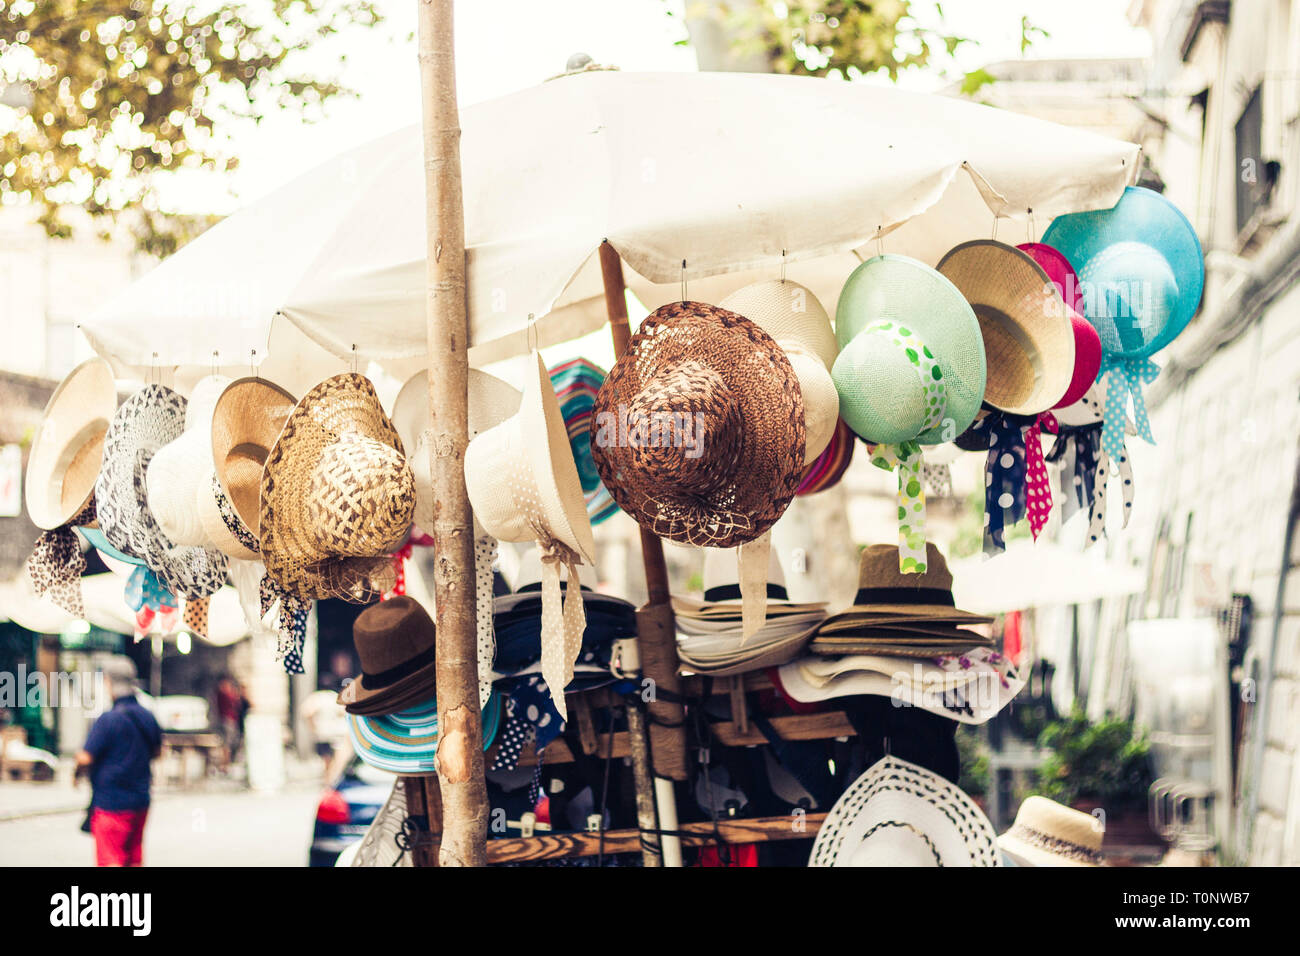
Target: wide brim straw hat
{"points": [[406, 742], [337, 495], [491, 401], [878, 386], [577, 383], [899, 814], [184, 465], [148, 420], [1028, 339], [1047, 833], [247, 419], [1140, 268], [886, 595], [69, 445], [1087, 343], [697, 367], [521, 477]]}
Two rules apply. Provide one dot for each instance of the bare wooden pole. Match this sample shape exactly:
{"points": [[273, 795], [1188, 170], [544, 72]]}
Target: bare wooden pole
{"points": [[460, 743]]}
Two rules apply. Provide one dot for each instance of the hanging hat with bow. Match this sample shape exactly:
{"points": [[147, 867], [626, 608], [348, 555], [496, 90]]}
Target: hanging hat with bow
{"points": [[60, 482], [576, 383], [146, 422], [491, 401], [181, 466], [1142, 274], [910, 372], [1085, 464], [524, 486]]}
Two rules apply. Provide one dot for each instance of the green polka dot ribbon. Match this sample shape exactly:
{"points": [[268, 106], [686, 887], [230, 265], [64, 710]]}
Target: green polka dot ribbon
{"points": [[905, 457]]}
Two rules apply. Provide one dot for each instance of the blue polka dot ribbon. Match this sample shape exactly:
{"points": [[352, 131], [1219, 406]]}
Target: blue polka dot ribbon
{"points": [[905, 457], [291, 625], [144, 591], [1125, 377], [1085, 467], [1005, 500]]}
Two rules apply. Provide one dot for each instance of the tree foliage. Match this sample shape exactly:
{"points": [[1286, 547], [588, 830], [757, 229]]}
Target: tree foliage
{"points": [[106, 96]]}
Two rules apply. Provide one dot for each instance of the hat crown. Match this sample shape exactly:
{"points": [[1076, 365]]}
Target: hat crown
{"points": [[361, 497], [1129, 294], [668, 423], [1059, 822], [789, 312], [882, 395], [391, 633], [878, 568]]}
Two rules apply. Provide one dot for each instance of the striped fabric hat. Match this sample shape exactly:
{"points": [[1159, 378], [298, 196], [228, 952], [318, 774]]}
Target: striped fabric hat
{"points": [[829, 467], [576, 383], [407, 742]]}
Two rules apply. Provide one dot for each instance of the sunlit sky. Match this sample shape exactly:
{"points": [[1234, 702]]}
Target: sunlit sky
{"points": [[508, 45]]}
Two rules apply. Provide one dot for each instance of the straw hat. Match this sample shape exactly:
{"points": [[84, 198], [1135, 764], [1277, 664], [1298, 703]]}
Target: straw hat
{"points": [[699, 429], [69, 445], [148, 420], [1047, 833], [520, 474], [1028, 340], [337, 495], [248, 417], [406, 742], [899, 814], [395, 640], [577, 383], [491, 401], [180, 467], [885, 395], [791, 314], [1140, 268], [1087, 343]]}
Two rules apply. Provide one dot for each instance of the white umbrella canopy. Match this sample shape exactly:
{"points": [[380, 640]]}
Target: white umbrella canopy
{"points": [[1039, 574], [736, 174]]}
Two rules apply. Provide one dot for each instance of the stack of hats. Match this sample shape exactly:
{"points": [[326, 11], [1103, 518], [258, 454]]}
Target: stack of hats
{"points": [[709, 632], [392, 705]]}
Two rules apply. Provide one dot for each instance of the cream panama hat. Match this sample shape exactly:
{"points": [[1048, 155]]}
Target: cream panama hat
{"points": [[491, 401], [523, 485], [244, 424], [69, 445], [1047, 833], [1028, 338], [793, 317], [898, 323], [184, 465]]}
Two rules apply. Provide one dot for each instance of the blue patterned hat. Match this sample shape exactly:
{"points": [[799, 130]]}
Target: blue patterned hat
{"points": [[407, 742]]}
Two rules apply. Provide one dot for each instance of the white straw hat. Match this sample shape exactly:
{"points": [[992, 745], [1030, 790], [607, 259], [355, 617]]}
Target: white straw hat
{"points": [[1047, 833], [899, 814], [69, 445], [180, 467]]}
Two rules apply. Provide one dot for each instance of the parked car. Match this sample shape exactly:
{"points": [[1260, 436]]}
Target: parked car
{"points": [[347, 808]]}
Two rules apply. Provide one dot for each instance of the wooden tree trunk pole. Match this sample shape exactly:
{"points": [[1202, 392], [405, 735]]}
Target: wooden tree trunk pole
{"points": [[460, 743]]}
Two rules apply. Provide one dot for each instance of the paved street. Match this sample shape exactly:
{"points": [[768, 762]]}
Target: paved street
{"points": [[204, 829]]}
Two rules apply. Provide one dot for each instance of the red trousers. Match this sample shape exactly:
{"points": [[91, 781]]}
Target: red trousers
{"points": [[119, 836]]}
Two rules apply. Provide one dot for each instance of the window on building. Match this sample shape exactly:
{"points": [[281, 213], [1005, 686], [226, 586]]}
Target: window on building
{"points": [[1253, 180]]}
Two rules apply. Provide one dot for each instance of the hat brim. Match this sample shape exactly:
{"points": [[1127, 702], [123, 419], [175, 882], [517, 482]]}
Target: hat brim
{"points": [[771, 655], [872, 614], [66, 454], [1023, 854], [414, 687]]}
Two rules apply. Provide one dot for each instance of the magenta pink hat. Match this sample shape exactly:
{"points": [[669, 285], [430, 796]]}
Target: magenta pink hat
{"points": [[1087, 343]]}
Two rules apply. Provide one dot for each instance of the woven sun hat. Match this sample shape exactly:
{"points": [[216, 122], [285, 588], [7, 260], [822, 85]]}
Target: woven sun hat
{"points": [[245, 422], [699, 428], [148, 420], [406, 742], [1047, 833], [1087, 343], [1140, 269], [791, 314], [337, 495], [181, 466], [395, 641], [577, 383], [970, 687], [1028, 339], [69, 445], [899, 814], [491, 401], [885, 394]]}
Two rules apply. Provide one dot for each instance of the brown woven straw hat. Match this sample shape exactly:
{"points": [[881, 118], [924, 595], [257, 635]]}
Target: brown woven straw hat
{"points": [[249, 415], [698, 431], [395, 642], [69, 445], [1028, 338], [337, 495]]}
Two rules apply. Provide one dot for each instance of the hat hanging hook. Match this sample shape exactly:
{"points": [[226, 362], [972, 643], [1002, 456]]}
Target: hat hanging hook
{"points": [[215, 364], [155, 371], [252, 362], [355, 360], [532, 332], [1032, 231], [880, 241], [683, 280], [995, 228], [783, 267]]}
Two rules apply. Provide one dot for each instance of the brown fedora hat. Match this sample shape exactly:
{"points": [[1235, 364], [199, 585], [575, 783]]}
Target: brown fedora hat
{"points": [[886, 595], [395, 640], [698, 432]]}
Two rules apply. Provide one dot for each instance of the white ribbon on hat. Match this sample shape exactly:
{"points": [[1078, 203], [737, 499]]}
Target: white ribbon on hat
{"points": [[564, 618], [485, 552], [752, 564]]}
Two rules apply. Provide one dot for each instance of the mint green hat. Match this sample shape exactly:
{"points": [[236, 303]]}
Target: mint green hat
{"points": [[904, 329]]}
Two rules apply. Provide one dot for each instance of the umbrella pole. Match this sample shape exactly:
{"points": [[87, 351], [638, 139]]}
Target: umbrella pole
{"points": [[656, 629], [460, 744]]}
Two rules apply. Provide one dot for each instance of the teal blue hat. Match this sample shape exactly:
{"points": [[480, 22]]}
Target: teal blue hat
{"points": [[1140, 268], [407, 742], [900, 323]]}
